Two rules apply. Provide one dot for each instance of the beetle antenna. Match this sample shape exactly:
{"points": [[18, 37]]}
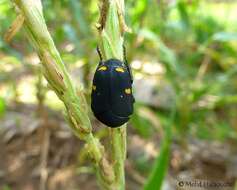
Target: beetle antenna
{"points": [[126, 63], [99, 53]]}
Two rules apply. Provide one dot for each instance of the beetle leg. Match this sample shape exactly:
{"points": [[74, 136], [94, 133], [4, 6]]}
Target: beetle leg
{"points": [[100, 63], [126, 63], [99, 53]]}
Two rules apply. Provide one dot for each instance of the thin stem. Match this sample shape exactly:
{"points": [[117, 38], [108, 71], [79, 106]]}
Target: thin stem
{"points": [[118, 144]]}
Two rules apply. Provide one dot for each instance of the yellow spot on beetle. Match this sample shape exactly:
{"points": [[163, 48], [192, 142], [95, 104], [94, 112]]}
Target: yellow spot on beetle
{"points": [[119, 69], [103, 68], [128, 91], [93, 87]]}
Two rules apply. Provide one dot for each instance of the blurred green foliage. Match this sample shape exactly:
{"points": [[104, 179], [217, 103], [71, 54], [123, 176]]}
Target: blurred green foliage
{"points": [[2, 106]]}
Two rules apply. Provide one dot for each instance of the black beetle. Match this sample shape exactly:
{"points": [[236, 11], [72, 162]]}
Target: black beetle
{"points": [[111, 98]]}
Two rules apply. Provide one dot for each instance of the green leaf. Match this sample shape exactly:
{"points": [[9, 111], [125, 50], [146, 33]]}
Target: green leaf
{"points": [[161, 164], [2, 106], [77, 12], [158, 173], [182, 8]]}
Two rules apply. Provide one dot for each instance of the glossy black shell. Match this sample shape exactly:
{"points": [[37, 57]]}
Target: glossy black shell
{"points": [[111, 98]]}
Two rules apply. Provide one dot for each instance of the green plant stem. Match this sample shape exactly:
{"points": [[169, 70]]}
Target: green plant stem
{"points": [[111, 29], [118, 144], [59, 80]]}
